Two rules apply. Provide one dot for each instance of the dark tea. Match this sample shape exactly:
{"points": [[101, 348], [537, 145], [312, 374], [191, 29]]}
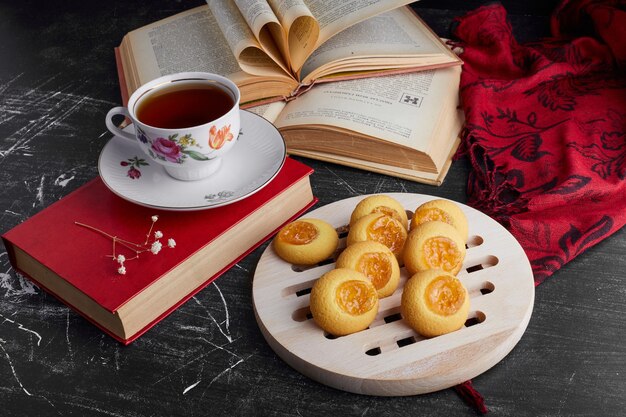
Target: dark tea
{"points": [[184, 104]]}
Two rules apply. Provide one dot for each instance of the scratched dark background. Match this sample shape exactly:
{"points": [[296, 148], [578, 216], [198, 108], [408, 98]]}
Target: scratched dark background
{"points": [[57, 81]]}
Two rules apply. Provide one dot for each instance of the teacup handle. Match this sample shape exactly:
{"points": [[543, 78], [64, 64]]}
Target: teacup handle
{"points": [[121, 111]]}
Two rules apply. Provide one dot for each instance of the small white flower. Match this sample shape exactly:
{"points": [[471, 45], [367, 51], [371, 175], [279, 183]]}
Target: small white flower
{"points": [[121, 259], [171, 243], [155, 218], [121, 270], [156, 247], [158, 234]]}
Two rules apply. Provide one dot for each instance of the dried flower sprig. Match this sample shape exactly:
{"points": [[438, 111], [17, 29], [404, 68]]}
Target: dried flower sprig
{"points": [[154, 246]]}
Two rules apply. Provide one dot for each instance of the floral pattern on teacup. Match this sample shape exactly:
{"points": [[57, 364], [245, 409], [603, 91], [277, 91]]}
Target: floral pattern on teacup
{"points": [[177, 149], [167, 149], [141, 135], [174, 148], [217, 138], [134, 164]]}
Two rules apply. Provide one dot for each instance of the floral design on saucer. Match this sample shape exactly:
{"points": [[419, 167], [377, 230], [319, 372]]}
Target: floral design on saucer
{"points": [[220, 196], [134, 164]]}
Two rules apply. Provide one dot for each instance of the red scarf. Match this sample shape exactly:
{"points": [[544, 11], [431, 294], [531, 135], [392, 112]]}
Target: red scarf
{"points": [[546, 131], [546, 127]]}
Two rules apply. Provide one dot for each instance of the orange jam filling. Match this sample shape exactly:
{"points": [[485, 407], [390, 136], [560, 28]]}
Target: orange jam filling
{"points": [[441, 252], [388, 211], [388, 232], [445, 295], [432, 214], [356, 297], [299, 233], [377, 267]]}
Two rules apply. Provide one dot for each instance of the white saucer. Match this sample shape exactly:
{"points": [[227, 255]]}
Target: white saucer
{"points": [[253, 162]]}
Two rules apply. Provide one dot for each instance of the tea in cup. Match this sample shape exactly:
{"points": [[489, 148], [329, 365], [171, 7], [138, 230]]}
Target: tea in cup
{"points": [[185, 122]]}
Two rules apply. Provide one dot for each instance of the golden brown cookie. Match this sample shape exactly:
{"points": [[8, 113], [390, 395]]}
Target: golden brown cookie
{"points": [[343, 301], [376, 262], [380, 228], [442, 210], [433, 245], [306, 241], [434, 303], [380, 203]]}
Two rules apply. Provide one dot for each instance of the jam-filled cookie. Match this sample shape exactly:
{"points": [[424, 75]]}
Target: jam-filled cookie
{"points": [[434, 303], [306, 241], [434, 245], [380, 203], [444, 211], [379, 227], [376, 262], [343, 301]]}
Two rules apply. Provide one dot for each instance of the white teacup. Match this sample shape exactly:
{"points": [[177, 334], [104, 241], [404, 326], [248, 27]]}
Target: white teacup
{"points": [[183, 121]]}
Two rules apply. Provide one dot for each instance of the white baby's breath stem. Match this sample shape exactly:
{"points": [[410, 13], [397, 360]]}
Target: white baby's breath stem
{"points": [[155, 247], [154, 219], [94, 229], [128, 244]]}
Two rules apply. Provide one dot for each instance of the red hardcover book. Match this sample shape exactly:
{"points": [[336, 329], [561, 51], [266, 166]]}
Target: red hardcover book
{"points": [[72, 263]]}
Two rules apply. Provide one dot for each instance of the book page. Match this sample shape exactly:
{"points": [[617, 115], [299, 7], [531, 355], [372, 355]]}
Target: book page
{"points": [[266, 26], [179, 43], [269, 111], [301, 29], [402, 109], [334, 16], [253, 57], [393, 36]]}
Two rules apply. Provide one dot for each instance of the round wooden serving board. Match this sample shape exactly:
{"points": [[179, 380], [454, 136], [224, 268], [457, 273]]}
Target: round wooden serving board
{"points": [[389, 358]]}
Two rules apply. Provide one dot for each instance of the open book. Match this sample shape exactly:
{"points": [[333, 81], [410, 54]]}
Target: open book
{"points": [[275, 49], [404, 125]]}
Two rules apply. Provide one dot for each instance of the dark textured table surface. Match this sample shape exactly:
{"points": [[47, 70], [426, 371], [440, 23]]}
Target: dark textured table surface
{"points": [[57, 81]]}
